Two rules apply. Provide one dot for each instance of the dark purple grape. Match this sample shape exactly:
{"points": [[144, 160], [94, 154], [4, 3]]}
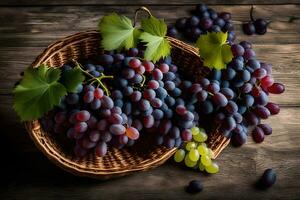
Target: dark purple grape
{"points": [[248, 100], [237, 50], [148, 121], [101, 149], [158, 114], [206, 107], [219, 99], [239, 138], [172, 31], [105, 59], [83, 116], [251, 119], [117, 129], [94, 136], [258, 135], [107, 102], [80, 127], [181, 23], [72, 98], [213, 88], [206, 23], [268, 179], [273, 108], [135, 96], [95, 104], [194, 186], [186, 135], [231, 107], [169, 142], [276, 88], [192, 21], [157, 74], [249, 28], [249, 53], [225, 15], [219, 22], [260, 26], [228, 93], [106, 136]]}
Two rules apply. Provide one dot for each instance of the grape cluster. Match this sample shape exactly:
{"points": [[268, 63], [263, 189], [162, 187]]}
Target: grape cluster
{"points": [[196, 154], [236, 98], [203, 20]]}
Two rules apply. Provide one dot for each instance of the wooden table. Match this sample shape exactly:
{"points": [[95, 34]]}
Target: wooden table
{"points": [[27, 27]]}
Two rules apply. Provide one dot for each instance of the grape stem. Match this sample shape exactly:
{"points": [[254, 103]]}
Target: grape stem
{"points": [[95, 79], [252, 18], [251, 13], [143, 8]]}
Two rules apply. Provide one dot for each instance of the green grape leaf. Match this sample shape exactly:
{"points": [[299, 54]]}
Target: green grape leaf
{"points": [[38, 92], [214, 50], [154, 26], [117, 32], [154, 37], [72, 78], [157, 47]]}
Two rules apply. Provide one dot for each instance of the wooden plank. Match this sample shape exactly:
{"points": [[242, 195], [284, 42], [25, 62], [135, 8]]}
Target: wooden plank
{"points": [[13, 60], [28, 173], [39, 26], [136, 2]]}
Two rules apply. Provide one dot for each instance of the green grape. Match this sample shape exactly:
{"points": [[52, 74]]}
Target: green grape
{"points": [[190, 145], [194, 155], [201, 166], [210, 153], [206, 161], [179, 155], [202, 144], [195, 130], [201, 137], [212, 168], [202, 150], [197, 137], [188, 162]]}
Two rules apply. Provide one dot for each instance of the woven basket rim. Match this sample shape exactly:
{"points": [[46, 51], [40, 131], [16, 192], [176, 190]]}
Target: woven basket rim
{"points": [[74, 167]]}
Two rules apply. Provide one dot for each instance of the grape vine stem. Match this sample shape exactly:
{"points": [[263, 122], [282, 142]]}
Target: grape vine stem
{"points": [[95, 79]]}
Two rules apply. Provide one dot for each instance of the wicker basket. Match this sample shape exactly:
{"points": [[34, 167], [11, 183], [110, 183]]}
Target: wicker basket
{"points": [[116, 162]]}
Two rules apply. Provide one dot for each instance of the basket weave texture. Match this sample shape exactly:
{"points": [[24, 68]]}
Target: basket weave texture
{"points": [[117, 162]]}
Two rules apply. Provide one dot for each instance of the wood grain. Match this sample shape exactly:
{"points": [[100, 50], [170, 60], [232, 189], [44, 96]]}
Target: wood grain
{"points": [[40, 26], [141, 2]]}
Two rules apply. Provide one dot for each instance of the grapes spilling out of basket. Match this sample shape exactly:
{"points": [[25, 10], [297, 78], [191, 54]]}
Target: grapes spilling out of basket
{"points": [[196, 154], [202, 20]]}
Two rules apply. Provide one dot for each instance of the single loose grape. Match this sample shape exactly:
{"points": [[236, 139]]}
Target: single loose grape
{"points": [[188, 162], [202, 150], [179, 155], [195, 130], [212, 168], [194, 155], [206, 161], [190, 145]]}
